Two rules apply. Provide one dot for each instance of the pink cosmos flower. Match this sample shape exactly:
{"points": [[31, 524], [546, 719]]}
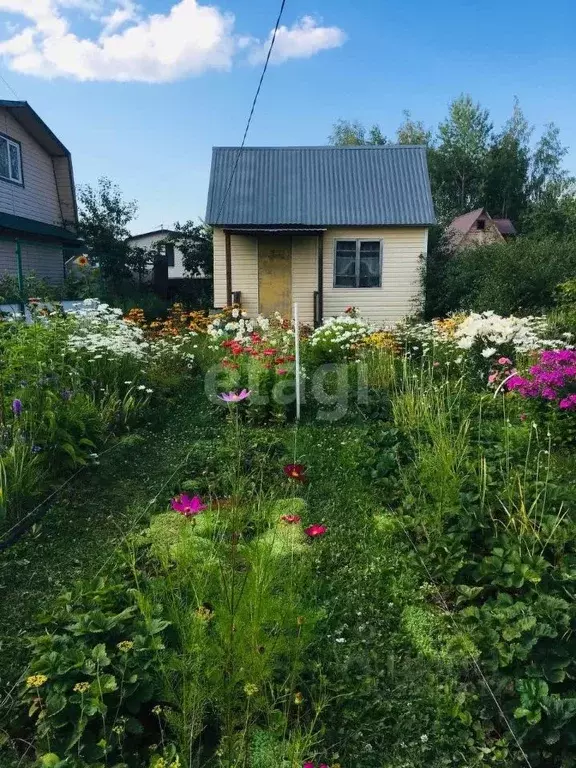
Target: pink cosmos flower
{"points": [[492, 378], [504, 361], [290, 518], [234, 397], [308, 764], [189, 507], [281, 371], [315, 530]]}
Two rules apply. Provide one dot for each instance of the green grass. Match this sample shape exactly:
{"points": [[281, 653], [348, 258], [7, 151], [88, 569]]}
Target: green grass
{"points": [[88, 521]]}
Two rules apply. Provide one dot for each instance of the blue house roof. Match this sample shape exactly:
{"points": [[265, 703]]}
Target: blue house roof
{"points": [[320, 186]]}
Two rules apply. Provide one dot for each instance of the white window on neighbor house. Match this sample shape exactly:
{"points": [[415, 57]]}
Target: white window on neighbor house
{"points": [[358, 264], [10, 160]]}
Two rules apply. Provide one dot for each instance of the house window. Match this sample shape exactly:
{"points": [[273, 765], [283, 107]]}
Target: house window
{"points": [[481, 224], [10, 160], [170, 254], [358, 264]]}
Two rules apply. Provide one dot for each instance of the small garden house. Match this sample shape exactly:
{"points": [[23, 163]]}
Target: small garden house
{"points": [[326, 227]]}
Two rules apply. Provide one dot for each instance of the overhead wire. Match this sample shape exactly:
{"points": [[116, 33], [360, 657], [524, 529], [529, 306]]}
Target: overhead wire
{"points": [[251, 114]]}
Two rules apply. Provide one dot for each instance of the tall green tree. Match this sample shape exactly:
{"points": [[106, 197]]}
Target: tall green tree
{"points": [[507, 168], [413, 132], [104, 216], [461, 157], [546, 167], [351, 133]]}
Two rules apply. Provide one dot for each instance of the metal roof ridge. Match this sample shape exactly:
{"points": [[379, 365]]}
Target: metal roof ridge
{"points": [[330, 147]]}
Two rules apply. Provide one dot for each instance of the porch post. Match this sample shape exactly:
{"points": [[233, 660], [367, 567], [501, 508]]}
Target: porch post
{"points": [[320, 277], [228, 269]]}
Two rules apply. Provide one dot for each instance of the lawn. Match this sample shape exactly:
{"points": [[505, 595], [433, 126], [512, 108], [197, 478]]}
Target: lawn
{"points": [[388, 583]]}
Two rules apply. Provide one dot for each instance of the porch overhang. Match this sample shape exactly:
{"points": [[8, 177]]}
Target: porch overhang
{"points": [[246, 230]]}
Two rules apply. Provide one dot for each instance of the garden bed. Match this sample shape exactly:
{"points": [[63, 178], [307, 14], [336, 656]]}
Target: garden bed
{"points": [[387, 584]]}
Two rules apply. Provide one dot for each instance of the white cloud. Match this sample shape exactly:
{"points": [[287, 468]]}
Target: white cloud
{"points": [[126, 12], [188, 39], [303, 39]]}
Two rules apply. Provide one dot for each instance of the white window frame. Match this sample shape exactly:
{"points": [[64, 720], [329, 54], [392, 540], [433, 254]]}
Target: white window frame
{"points": [[358, 241], [16, 144]]}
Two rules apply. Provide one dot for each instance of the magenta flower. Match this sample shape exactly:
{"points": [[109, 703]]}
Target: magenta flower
{"points": [[309, 764], [315, 530], [189, 507], [568, 403], [16, 407], [234, 397]]}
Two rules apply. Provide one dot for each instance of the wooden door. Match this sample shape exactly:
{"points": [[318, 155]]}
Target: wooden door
{"points": [[275, 276]]}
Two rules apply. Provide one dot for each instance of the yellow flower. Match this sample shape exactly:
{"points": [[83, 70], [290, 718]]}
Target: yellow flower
{"points": [[203, 613], [298, 698], [125, 645], [250, 689], [81, 687], [35, 681]]}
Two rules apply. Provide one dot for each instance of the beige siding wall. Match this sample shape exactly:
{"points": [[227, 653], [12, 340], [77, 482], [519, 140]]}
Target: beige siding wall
{"points": [[45, 261], [304, 276], [401, 264], [66, 192], [38, 198], [244, 270]]}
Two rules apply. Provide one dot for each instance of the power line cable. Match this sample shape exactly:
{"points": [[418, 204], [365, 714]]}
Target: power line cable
{"points": [[253, 107], [9, 87]]}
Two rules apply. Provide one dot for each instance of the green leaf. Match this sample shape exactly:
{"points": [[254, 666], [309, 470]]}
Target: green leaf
{"points": [[99, 655]]}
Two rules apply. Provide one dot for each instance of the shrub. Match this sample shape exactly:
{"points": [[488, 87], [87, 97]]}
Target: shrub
{"points": [[518, 276]]}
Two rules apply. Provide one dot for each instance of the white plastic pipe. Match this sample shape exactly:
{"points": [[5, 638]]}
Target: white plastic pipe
{"points": [[297, 356]]}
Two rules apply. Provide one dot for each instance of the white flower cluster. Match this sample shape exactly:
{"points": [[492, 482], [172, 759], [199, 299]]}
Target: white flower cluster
{"points": [[100, 331], [239, 329], [524, 333], [344, 331], [175, 347]]}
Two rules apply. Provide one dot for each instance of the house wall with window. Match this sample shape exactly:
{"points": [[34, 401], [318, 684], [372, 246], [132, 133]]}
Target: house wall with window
{"points": [[399, 289], [389, 294], [35, 195], [149, 239]]}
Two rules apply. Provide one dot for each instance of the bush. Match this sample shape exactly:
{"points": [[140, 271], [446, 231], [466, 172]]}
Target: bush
{"points": [[510, 278]]}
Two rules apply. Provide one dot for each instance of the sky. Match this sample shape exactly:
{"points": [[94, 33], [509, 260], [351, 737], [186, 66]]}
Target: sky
{"points": [[140, 90]]}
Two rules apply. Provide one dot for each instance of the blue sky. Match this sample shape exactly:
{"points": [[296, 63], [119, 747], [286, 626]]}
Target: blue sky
{"points": [[146, 103]]}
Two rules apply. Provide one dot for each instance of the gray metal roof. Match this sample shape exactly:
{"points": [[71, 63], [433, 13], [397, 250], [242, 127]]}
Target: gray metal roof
{"points": [[320, 186]]}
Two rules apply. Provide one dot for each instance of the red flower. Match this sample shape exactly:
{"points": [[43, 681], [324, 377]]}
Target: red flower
{"points": [[296, 472], [315, 530], [291, 518], [269, 352]]}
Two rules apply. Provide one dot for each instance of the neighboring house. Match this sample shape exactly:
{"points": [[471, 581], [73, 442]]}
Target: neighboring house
{"points": [[38, 214], [326, 227], [173, 255], [479, 228]]}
